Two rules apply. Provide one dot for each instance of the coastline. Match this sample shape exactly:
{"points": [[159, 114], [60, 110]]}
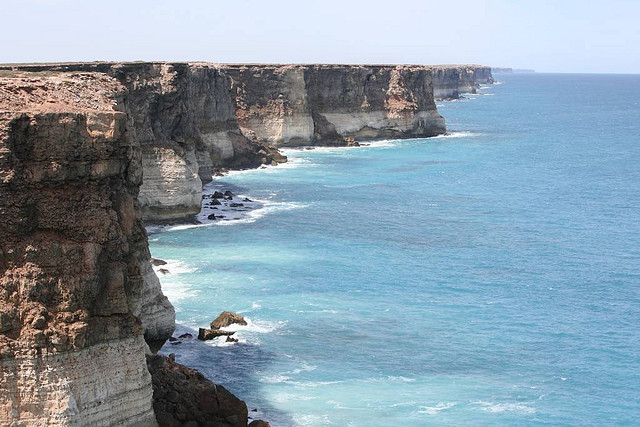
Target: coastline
{"points": [[112, 129]]}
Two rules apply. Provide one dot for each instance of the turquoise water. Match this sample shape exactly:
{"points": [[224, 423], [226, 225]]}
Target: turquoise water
{"points": [[490, 277]]}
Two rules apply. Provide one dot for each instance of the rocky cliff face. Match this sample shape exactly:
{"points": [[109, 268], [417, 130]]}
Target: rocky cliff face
{"points": [[292, 105], [450, 81], [193, 119], [73, 256]]}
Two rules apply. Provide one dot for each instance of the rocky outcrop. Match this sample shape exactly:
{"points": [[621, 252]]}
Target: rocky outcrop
{"points": [[72, 250], [183, 396], [450, 81], [227, 318]]}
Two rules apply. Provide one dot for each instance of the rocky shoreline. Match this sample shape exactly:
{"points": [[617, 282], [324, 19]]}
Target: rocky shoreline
{"points": [[89, 151]]}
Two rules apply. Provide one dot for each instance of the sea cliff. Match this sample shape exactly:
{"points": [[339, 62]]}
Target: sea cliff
{"points": [[89, 151], [192, 119], [450, 81], [80, 307]]}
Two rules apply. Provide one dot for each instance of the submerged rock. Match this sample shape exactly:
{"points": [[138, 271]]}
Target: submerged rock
{"points": [[158, 262], [209, 334], [217, 195], [227, 318]]}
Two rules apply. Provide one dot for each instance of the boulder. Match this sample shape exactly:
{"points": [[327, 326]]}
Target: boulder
{"points": [[259, 423], [187, 335], [215, 202], [217, 195], [209, 334], [164, 271], [212, 216], [227, 318], [158, 262]]}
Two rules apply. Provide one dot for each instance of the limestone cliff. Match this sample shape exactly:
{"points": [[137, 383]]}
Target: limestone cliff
{"points": [[292, 105], [73, 256], [191, 119], [450, 81]]}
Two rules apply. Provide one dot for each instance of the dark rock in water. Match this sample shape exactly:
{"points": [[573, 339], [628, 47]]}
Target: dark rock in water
{"points": [[164, 271], [212, 216], [228, 193], [231, 339], [219, 216], [187, 335], [173, 339], [157, 262], [209, 334], [175, 342], [246, 199], [217, 195], [259, 423], [215, 202], [227, 318], [228, 197], [236, 205], [254, 410], [183, 396]]}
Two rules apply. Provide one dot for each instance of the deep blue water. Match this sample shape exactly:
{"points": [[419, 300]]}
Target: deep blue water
{"points": [[487, 278]]}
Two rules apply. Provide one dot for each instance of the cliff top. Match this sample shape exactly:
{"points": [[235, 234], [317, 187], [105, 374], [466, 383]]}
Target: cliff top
{"points": [[100, 65], [57, 92]]}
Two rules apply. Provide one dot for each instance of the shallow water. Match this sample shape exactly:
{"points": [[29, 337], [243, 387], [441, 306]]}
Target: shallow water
{"points": [[488, 277]]}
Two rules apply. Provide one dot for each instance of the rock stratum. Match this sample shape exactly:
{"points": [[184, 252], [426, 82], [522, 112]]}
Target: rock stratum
{"points": [[192, 119], [89, 151]]}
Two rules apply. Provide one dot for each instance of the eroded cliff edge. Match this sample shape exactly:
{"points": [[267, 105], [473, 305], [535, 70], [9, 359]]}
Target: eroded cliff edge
{"points": [[72, 255], [192, 119]]}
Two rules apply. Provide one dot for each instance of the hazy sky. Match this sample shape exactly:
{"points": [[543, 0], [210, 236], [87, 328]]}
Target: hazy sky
{"points": [[552, 36]]}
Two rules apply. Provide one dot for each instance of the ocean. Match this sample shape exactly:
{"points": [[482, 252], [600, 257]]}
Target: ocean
{"points": [[486, 277]]}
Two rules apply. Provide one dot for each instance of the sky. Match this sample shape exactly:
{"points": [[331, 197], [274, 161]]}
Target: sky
{"points": [[549, 36]]}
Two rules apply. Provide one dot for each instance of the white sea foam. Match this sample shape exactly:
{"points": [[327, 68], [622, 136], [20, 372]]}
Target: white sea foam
{"points": [[305, 420], [258, 326], [287, 397], [254, 306], [174, 266], [177, 291], [459, 134], [305, 368], [274, 379], [433, 410], [506, 407], [400, 379]]}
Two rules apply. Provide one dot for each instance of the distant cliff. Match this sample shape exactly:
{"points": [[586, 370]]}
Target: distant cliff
{"points": [[450, 81]]}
